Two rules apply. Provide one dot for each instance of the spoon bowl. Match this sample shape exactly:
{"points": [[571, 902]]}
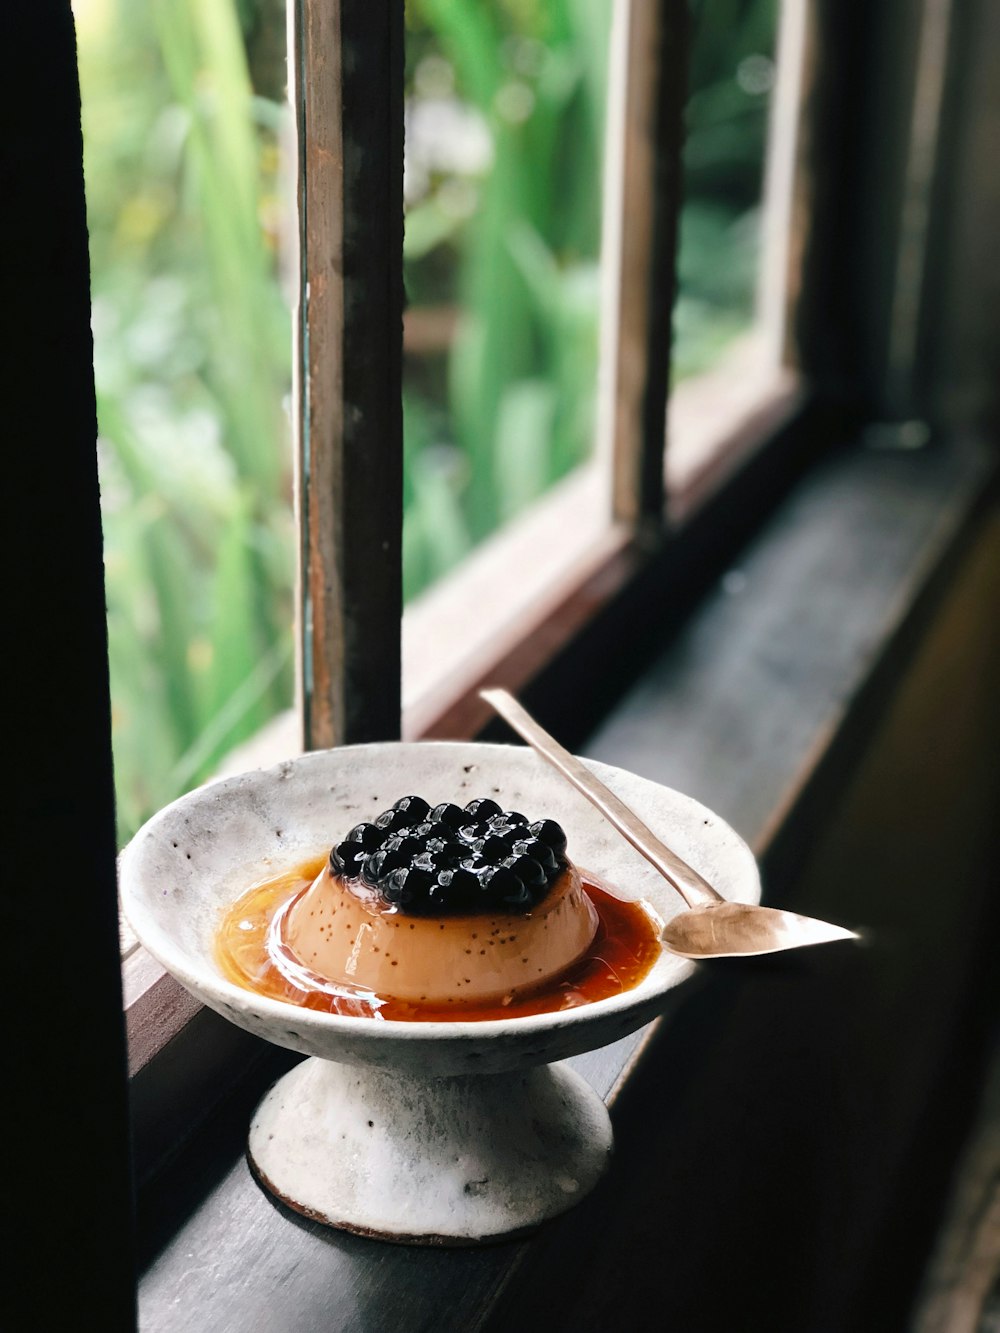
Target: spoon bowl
{"points": [[712, 927], [735, 930]]}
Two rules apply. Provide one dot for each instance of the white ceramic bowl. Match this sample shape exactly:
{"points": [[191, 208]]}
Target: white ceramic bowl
{"points": [[191, 861], [447, 1132]]}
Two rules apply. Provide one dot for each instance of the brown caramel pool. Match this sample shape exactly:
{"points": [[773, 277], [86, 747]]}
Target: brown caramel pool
{"points": [[251, 953]]}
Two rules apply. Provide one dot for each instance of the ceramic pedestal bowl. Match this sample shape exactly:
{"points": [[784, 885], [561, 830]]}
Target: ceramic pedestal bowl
{"points": [[452, 1132]]}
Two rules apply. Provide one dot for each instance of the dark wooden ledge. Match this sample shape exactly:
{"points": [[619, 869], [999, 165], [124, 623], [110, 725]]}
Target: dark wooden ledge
{"points": [[831, 698]]}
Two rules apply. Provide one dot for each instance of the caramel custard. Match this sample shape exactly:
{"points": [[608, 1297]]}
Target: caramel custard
{"points": [[347, 932], [252, 952], [427, 912]]}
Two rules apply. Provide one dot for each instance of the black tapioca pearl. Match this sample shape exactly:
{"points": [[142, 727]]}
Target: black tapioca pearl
{"points": [[494, 850], [538, 851], [504, 826], [393, 858], [403, 845], [515, 817], [549, 832], [393, 887], [402, 821], [518, 898], [368, 836], [414, 808], [441, 898], [427, 861], [482, 808], [529, 871], [458, 878], [448, 813], [407, 885], [461, 886], [351, 856], [500, 885], [373, 867]]}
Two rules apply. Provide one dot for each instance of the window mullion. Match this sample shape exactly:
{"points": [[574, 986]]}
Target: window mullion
{"points": [[347, 89], [641, 222]]}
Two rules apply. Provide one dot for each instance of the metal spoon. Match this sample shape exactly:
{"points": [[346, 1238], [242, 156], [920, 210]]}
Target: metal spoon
{"points": [[712, 927]]}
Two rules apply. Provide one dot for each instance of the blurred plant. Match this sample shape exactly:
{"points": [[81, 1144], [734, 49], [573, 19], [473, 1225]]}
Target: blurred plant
{"points": [[183, 109], [731, 76], [505, 117], [505, 130], [192, 360]]}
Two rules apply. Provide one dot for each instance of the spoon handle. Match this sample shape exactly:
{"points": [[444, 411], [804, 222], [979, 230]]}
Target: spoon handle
{"points": [[696, 891]]}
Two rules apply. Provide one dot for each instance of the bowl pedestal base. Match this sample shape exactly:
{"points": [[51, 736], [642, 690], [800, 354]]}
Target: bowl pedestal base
{"points": [[430, 1161]]}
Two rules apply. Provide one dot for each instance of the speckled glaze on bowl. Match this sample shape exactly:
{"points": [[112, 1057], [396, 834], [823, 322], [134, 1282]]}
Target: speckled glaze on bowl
{"points": [[190, 862]]}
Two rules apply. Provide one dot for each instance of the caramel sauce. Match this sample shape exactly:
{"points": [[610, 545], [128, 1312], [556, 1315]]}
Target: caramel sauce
{"points": [[623, 950]]}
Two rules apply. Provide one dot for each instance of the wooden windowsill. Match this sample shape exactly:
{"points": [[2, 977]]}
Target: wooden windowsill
{"points": [[760, 705]]}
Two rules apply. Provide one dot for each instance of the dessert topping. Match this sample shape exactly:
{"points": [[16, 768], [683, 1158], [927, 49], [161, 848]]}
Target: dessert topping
{"points": [[449, 860]]}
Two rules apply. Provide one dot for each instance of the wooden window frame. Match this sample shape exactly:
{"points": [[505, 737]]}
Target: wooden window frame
{"points": [[346, 86]]}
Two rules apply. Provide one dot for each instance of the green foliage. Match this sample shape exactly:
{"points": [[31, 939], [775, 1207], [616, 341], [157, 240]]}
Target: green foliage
{"points": [[182, 116], [192, 357], [726, 124], [514, 243]]}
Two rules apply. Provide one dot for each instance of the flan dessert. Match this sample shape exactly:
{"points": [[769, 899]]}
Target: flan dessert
{"points": [[446, 905]]}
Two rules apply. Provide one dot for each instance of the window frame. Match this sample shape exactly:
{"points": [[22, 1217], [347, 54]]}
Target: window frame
{"points": [[348, 337]]}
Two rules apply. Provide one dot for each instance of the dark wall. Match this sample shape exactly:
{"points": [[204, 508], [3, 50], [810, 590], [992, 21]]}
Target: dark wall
{"points": [[900, 281], [960, 335]]}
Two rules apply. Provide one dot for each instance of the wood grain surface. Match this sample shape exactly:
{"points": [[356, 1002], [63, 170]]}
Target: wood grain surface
{"points": [[641, 225], [347, 67]]}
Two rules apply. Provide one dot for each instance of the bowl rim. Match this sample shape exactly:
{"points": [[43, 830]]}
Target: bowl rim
{"points": [[205, 982]]}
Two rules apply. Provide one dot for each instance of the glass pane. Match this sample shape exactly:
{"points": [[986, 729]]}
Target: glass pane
{"points": [[732, 75], [504, 138], [183, 111]]}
